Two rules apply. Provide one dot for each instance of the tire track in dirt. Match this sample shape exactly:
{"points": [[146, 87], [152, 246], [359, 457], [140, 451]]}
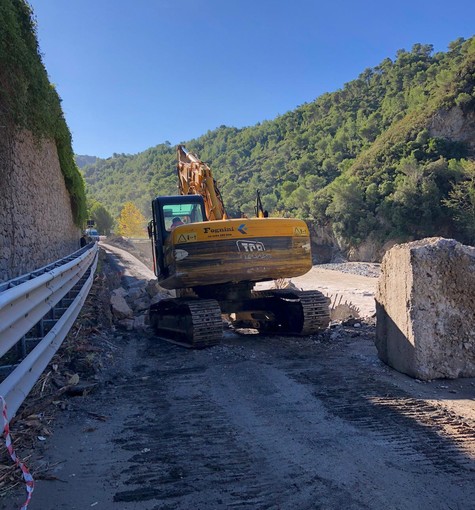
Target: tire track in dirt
{"points": [[428, 434], [283, 423], [190, 453]]}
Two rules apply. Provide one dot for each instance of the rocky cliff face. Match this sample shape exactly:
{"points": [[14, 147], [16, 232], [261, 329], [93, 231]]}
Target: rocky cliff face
{"points": [[454, 125], [36, 222], [326, 247]]}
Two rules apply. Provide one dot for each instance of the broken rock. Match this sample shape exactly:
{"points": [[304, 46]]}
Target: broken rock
{"points": [[159, 297], [136, 293], [127, 324], [120, 308], [141, 304], [153, 288], [141, 321]]}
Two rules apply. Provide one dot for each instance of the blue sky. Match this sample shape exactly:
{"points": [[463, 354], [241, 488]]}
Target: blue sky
{"points": [[135, 74]]}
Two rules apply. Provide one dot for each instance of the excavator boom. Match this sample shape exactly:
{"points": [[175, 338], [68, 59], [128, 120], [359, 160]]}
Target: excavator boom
{"points": [[195, 178]]}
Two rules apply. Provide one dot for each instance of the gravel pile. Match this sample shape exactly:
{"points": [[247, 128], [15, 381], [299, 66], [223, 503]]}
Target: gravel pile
{"points": [[370, 269]]}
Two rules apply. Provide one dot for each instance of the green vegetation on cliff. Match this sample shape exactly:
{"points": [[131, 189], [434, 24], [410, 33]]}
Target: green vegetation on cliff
{"points": [[28, 100], [368, 162]]}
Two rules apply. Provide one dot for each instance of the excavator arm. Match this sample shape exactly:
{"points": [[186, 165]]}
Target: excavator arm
{"points": [[195, 178]]}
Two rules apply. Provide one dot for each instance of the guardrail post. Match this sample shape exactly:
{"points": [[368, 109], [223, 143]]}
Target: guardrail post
{"points": [[21, 347], [40, 329]]}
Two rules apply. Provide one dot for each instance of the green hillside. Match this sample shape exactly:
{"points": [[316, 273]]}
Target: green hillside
{"points": [[82, 161], [368, 162]]}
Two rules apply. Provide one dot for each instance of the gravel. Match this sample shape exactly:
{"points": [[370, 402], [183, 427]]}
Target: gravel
{"points": [[369, 269]]}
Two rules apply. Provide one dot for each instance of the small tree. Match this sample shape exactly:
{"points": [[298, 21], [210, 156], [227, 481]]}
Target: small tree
{"points": [[461, 202], [131, 222], [101, 216]]}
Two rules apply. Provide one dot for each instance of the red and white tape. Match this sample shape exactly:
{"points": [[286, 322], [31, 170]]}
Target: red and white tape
{"points": [[30, 483]]}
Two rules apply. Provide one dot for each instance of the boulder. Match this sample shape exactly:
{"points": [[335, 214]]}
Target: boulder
{"points": [[127, 324], [120, 308], [136, 293], [425, 309], [120, 291], [139, 305], [159, 296], [153, 287], [141, 322]]}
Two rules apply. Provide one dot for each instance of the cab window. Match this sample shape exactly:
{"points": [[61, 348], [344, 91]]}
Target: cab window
{"points": [[187, 213]]}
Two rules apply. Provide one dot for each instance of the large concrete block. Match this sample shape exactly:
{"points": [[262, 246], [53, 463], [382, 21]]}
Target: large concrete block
{"points": [[425, 309]]}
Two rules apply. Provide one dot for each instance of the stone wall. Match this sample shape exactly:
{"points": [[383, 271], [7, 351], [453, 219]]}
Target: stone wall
{"points": [[36, 222], [425, 309]]}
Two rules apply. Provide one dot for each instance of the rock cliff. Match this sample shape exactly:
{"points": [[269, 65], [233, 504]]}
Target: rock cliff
{"points": [[454, 125]]}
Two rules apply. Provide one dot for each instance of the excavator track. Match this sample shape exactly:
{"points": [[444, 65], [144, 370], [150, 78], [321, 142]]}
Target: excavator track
{"points": [[283, 311], [191, 323], [316, 311]]}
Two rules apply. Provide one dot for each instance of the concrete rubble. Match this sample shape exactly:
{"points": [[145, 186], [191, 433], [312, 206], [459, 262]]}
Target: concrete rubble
{"points": [[425, 309]]}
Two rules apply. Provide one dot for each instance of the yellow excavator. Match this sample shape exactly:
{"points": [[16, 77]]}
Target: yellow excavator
{"points": [[213, 262]]}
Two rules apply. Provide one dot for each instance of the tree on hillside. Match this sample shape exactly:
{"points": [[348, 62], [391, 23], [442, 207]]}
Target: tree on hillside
{"points": [[103, 220], [131, 222], [350, 216], [461, 201]]}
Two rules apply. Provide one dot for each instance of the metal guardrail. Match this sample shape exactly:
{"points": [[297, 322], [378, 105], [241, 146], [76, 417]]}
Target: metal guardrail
{"points": [[37, 310]]}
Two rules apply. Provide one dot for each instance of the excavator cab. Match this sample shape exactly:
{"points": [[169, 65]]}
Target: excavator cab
{"points": [[166, 211]]}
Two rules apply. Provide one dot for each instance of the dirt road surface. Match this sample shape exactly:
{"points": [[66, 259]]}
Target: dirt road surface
{"points": [[261, 423], [356, 289]]}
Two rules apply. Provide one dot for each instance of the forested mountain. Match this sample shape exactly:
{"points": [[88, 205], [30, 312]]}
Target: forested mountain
{"points": [[82, 161], [388, 157]]}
